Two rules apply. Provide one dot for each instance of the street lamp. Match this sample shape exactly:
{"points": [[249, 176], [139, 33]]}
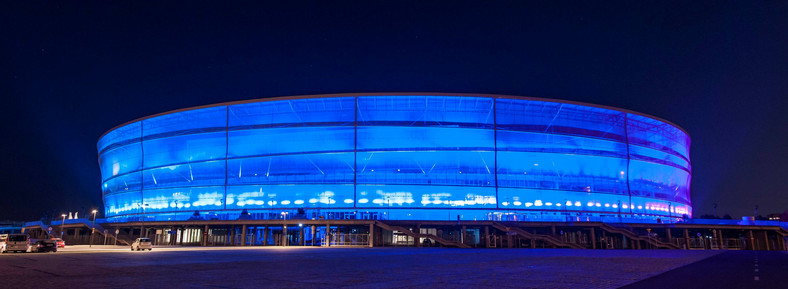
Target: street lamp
{"points": [[175, 218], [143, 219], [284, 228], [62, 225], [93, 227]]}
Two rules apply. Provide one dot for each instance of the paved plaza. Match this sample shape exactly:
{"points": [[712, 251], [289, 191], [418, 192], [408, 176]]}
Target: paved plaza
{"points": [[278, 267]]}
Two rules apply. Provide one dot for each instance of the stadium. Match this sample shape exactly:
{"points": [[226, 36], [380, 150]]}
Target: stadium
{"points": [[397, 156]]}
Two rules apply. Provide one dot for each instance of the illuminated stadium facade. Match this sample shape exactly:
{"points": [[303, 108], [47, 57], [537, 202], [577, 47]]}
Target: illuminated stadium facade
{"points": [[397, 156]]}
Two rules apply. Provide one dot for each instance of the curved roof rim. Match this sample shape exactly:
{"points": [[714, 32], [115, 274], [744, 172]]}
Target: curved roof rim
{"points": [[308, 96]]}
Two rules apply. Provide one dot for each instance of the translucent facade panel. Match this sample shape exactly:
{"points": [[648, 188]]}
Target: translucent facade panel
{"points": [[184, 149], [292, 169], [124, 203], [186, 122], [658, 135], [195, 174], [465, 168], [121, 136], [122, 183], [290, 196], [659, 181], [563, 172], [184, 199], [261, 142], [559, 118], [566, 201], [655, 156], [450, 111], [553, 143], [408, 156], [339, 111], [424, 138], [651, 206], [409, 196], [120, 160]]}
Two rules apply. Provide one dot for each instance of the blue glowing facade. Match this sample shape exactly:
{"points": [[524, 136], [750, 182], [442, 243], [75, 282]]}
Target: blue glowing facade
{"points": [[397, 156]]}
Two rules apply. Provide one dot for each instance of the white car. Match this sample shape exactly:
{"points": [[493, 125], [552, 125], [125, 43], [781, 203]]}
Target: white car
{"points": [[142, 244], [18, 243]]}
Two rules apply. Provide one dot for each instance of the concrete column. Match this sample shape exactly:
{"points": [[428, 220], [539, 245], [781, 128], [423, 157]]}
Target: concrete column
{"points": [[328, 235], [553, 227], [416, 239], [486, 236], [670, 236], [593, 239], [243, 235], [752, 241], [284, 235], [204, 240], [766, 240], [314, 233], [508, 240], [300, 235], [721, 240], [265, 236], [462, 234], [371, 235], [686, 239]]}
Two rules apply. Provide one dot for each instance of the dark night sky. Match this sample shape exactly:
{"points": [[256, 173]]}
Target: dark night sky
{"points": [[72, 70]]}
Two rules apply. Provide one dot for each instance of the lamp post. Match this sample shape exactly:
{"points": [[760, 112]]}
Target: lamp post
{"points": [[284, 229], [62, 225], [143, 220], [93, 227]]}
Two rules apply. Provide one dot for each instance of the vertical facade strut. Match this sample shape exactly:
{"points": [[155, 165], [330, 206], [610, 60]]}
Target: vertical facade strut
{"points": [[495, 149], [355, 150], [626, 139], [226, 150], [142, 167]]}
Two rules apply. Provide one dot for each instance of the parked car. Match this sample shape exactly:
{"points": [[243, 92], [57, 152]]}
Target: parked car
{"points": [[18, 243], [45, 246], [142, 244], [60, 242], [3, 238]]}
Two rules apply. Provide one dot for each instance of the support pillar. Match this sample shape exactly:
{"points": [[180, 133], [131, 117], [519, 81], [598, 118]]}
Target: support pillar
{"points": [[243, 235], [593, 239], [752, 241], [486, 236], [670, 237], [418, 233], [371, 235], [721, 239], [328, 235], [314, 234], [686, 239], [301, 235], [284, 235], [204, 241], [462, 234], [766, 240], [265, 236]]}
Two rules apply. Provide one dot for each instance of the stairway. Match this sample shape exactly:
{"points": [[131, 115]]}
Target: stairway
{"points": [[632, 235], [416, 236], [544, 238]]}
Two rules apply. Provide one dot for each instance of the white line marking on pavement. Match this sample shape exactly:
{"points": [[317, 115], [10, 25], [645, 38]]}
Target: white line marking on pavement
{"points": [[757, 278]]}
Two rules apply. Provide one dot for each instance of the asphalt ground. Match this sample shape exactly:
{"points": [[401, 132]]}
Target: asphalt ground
{"points": [[298, 267], [732, 269]]}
